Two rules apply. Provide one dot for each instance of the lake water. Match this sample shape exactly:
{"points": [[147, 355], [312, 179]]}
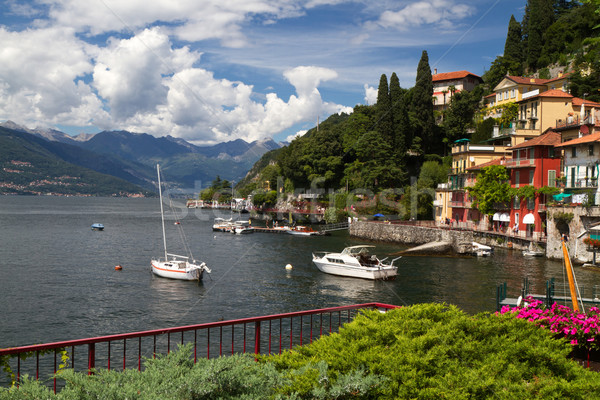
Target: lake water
{"points": [[58, 282]]}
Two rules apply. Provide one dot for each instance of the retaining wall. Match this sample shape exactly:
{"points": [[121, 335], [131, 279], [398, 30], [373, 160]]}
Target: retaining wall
{"points": [[408, 234]]}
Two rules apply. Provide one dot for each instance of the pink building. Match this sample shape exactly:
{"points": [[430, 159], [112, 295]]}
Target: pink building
{"points": [[446, 84]]}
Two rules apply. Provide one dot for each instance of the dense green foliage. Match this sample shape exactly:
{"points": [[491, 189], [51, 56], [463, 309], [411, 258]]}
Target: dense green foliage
{"points": [[492, 187], [422, 351], [437, 351]]}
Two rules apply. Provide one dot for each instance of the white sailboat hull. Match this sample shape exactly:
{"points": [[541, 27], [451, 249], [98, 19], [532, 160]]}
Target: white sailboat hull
{"points": [[181, 270]]}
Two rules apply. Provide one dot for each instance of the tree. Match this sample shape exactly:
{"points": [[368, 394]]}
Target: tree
{"points": [[401, 122], [492, 187], [459, 115], [540, 17], [513, 47], [432, 173], [422, 106], [384, 124]]}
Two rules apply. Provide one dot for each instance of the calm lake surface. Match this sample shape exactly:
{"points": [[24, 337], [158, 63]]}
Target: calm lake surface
{"points": [[58, 282]]}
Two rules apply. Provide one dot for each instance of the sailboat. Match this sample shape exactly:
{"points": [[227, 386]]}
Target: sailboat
{"points": [[174, 266]]}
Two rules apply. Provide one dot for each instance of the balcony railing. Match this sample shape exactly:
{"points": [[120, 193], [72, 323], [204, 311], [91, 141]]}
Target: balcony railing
{"points": [[259, 335], [527, 162], [583, 183]]}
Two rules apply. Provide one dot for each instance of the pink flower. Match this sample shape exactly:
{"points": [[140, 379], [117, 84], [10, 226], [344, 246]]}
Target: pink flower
{"points": [[574, 342]]}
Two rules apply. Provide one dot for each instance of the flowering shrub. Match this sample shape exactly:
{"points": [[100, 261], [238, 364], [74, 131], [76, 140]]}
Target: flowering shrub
{"points": [[592, 242], [581, 330]]}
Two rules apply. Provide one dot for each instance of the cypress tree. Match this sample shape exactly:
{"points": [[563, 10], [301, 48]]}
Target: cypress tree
{"points": [[513, 47], [400, 117], [541, 16], [422, 105], [384, 112]]}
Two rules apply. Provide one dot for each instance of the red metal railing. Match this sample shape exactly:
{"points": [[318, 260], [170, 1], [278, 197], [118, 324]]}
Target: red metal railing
{"points": [[295, 328]]}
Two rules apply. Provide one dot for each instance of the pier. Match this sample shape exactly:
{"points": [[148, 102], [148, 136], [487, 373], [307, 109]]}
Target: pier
{"points": [[554, 293]]}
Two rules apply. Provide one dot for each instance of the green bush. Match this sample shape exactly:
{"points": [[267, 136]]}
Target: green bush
{"points": [[438, 351]]}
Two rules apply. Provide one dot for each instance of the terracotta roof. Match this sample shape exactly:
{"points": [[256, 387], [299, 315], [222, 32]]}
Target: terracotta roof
{"points": [[550, 138], [527, 81], [446, 76], [594, 137], [577, 102], [495, 161], [554, 93]]}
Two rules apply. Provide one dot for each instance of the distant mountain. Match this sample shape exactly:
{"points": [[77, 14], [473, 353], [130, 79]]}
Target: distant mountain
{"points": [[32, 165], [133, 156]]}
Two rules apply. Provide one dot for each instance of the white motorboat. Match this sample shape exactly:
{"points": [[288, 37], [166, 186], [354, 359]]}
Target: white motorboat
{"points": [[222, 225], [97, 227], [481, 250], [356, 262], [533, 253], [174, 266], [241, 227]]}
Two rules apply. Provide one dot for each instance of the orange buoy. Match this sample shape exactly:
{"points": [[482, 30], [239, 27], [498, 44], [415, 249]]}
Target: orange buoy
{"points": [[118, 268]]}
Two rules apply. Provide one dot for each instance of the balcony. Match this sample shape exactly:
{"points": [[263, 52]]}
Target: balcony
{"points": [[591, 183], [521, 163]]}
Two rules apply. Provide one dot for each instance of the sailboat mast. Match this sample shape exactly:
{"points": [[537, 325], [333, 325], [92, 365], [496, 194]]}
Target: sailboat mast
{"points": [[570, 277], [162, 212]]}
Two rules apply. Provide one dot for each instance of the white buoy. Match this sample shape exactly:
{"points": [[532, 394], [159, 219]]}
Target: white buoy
{"points": [[288, 266]]}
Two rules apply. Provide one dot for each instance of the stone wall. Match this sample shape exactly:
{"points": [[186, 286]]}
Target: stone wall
{"points": [[576, 231], [408, 234]]}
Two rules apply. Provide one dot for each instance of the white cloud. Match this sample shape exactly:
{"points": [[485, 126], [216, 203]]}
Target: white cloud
{"points": [[41, 75], [296, 135], [370, 94], [440, 12]]}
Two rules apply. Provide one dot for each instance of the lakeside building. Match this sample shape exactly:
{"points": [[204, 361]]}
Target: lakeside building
{"points": [[534, 163], [446, 84], [581, 165]]}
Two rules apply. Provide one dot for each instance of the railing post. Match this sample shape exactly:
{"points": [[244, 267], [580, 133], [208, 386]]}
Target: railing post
{"points": [[91, 357], [257, 337]]}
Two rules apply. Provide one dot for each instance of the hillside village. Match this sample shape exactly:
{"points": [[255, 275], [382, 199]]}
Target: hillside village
{"points": [[551, 155]]}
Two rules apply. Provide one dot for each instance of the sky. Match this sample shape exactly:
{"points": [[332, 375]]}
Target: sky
{"points": [[212, 71]]}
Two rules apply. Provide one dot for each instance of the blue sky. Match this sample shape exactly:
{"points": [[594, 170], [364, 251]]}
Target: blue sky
{"points": [[210, 71]]}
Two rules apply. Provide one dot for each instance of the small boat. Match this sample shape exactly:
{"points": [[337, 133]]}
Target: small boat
{"points": [[533, 253], [481, 250], [356, 262], [222, 225], [174, 266], [302, 231], [97, 227], [241, 227]]}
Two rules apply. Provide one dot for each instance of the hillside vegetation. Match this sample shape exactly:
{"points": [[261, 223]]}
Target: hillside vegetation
{"points": [[383, 146]]}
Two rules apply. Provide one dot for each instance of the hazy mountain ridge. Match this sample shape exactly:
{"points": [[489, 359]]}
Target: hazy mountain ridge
{"points": [[132, 156]]}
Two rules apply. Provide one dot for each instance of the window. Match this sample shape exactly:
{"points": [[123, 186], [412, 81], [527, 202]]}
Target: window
{"points": [[516, 204], [551, 152], [517, 178], [531, 177], [552, 178], [591, 150], [531, 203], [573, 151]]}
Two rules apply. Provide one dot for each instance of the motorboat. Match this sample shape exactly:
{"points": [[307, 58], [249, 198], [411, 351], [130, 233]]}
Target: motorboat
{"points": [[481, 250], [302, 231], [97, 227], [241, 227], [222, 225], [175, 266], [356, 262]]}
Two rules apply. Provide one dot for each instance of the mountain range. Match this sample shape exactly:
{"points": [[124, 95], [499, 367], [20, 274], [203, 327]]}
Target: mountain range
{"points": [[132, 157]]}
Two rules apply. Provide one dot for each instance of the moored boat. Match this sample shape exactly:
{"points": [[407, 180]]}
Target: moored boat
{"points": [[356, 262], [97, 227], [302, 231], [481, 250], [174, 266]]}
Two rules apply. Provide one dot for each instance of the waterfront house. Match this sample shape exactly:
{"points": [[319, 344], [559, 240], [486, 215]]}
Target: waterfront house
{"points": [[581, 165], [465, 156], [534, 163]]}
